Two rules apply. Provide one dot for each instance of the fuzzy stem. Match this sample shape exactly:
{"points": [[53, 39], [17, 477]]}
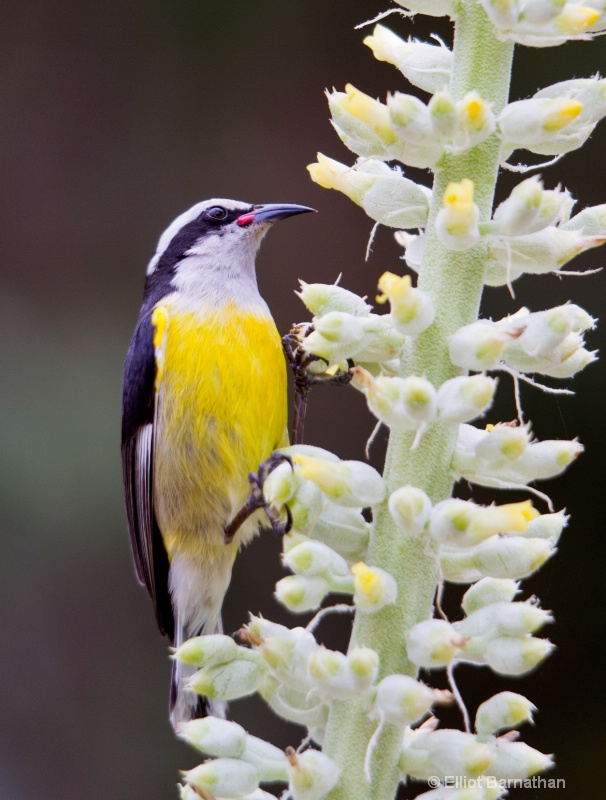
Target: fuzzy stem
{"points": [[482, 63]]}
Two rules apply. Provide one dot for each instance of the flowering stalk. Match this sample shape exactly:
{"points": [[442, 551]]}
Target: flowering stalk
{"points": [[365, 707], [454, 283]]}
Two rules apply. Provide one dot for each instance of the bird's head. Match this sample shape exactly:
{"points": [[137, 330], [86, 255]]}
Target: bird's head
{"points": [[214, 240]]}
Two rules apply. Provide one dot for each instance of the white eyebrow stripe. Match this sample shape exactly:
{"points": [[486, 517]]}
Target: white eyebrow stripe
{"points": [[187, 217]]}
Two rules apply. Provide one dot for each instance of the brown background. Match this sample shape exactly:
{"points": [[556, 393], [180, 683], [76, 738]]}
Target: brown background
{"points": [[114, 117]]}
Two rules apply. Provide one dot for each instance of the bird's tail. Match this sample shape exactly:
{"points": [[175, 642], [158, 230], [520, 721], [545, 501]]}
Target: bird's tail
{"points": [[184, 703]]}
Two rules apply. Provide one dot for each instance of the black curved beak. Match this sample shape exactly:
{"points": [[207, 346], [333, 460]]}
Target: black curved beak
{"points": [[271, 212]]}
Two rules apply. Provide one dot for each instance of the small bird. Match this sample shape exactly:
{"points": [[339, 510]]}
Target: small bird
{"points": [[204, 403]]}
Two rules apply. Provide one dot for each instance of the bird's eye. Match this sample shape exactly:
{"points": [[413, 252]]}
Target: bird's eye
{"points": [[216, 212]]}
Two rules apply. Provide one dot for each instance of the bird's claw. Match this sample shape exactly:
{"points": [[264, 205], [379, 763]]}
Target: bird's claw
{"points": [[256, 500]]}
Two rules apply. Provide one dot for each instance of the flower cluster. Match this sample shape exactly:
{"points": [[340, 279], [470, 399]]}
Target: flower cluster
{"points": [[373, 539]]}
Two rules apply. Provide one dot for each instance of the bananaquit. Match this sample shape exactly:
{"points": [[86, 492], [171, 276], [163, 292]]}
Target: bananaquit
{"points": [[204, 403]]}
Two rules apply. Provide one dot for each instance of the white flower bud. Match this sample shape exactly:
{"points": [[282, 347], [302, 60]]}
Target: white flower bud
{"points": [[362, 123], [529, 208], [412, 310], [384, 346], [348, 483], [223, 777], [443, 116], [516, 760], [457, 221], [312, 775], [295, 706], [505, 454], [426, 66], [502, 712], [517, 214], [321, 298], [402, 700], [433, 643], [590, 221], [385, 194], [503, 444], [511, 557], [448, 752], [215, 648], [547, 526], [344, 530], [285, 652], [510, 655], [339, 676], [466, 397], [541, 23], [265, 628], [238, 678], [410, 117], [505, 619], [546, 459], [461, 523], [478, 346], [534, 253], [339, 336], [411, 508], [537, 121], [300, 594], [405, 403], [306, 506], [565, 357], [566, 360], [545, 330], [214, 736], [373, 588], [314, 558], [271, 762], [280, 485], [487, 591], [498, 557]]}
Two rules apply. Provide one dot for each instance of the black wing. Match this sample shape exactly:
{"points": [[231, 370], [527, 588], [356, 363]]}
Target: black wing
{"points": [[138, 406]]}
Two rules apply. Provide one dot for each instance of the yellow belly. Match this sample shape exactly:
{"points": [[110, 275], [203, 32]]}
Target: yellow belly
{"points": [[221, 411]]}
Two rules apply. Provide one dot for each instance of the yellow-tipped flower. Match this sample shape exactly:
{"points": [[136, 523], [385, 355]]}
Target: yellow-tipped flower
{"points": [[541, 23], [348, 483], [526, 123], [412, 310], [476, 122], [331, 174], [562, 113], [373, 588], [426, 66], [384, 193], [461, 523], [575, 20], [364, 109], [457, 222], [473, 112]]}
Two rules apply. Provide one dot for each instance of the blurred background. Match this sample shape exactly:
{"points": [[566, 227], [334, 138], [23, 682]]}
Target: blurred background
{"points": [[114, 118]]}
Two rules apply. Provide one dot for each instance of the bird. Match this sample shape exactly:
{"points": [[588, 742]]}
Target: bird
{"points": [[204, 403]]}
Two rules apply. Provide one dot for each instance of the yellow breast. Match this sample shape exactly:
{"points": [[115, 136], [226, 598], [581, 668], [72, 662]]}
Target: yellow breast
{"points": [[221, 411]]}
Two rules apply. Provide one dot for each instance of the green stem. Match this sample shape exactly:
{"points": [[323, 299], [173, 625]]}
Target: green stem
{"points": [[454, 280]]}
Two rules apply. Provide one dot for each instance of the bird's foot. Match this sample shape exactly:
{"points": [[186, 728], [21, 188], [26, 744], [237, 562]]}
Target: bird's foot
{"points": [[256, 500], [300, 362]]}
